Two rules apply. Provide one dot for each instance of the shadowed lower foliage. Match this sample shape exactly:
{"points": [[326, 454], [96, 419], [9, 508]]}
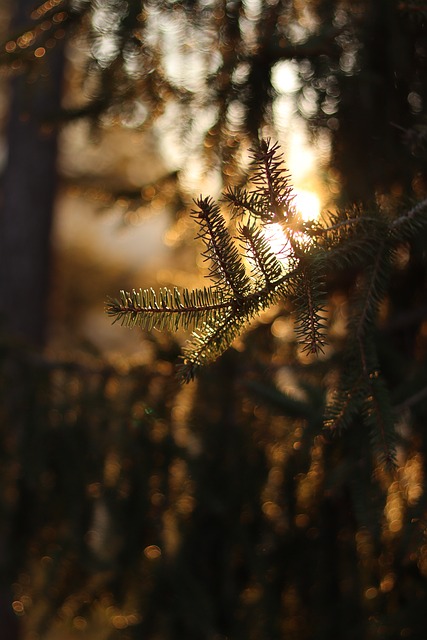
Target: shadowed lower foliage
{"points": [[140, 508]]}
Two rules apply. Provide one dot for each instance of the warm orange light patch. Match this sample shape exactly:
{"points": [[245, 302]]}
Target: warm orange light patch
{"points": [[152, 552], [307, 204], [45, 7]]}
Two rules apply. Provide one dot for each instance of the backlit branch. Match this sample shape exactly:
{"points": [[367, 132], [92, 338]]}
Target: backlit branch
{"points": [[248, 275]]}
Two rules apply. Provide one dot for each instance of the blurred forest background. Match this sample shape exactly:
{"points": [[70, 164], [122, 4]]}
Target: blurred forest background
{"points": [[132, 507]]}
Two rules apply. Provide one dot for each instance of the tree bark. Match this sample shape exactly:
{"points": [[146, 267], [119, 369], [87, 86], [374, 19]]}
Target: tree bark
{"points": [[27, 197], [28, 193]]}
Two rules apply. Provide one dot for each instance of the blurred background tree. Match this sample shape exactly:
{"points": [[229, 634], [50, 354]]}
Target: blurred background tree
{"points": [[132, 507]]}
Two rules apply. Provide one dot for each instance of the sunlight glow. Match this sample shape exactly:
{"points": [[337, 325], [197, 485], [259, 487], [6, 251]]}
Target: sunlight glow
{"points": [[284, 77], [278, 241], [307, 204], [280, 245]]}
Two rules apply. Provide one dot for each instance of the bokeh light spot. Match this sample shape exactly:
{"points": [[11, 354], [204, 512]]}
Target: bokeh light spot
{"points": [[152, 552]]}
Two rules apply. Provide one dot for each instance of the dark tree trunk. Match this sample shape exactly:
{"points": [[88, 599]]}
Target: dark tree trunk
{"points": [[28, 193], [27, 197]]}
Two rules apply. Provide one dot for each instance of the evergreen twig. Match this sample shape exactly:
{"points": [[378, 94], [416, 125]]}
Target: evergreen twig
{"points": [[365, 240]]}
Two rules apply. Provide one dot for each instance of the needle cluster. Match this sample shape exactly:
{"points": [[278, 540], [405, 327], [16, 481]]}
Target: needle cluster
{"points": [[247, 276]]}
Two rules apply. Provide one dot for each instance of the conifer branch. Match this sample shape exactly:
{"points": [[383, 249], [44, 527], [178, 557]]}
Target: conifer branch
{"points": [[309, 309], [344, 408], [166, 310], [366, 240], [378, 416], [411, 222], [271, 182], [226, 266], [377, 280], [220, 312], [248, 203], [208, 344], [266, 266], [341, 224]]}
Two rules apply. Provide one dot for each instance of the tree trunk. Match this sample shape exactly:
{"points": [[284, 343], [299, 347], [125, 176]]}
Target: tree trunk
{"points": [[29, 184], [27, 198]]}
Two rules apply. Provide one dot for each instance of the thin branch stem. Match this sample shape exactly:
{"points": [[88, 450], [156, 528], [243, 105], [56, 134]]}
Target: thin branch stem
{"points": [[418, 208], [170, 310], [346, 223], [412, 400]]}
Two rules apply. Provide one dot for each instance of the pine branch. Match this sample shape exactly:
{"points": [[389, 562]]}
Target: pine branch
{"points": [[271, 182], [345, 406], [411, 222], [352, 253], [349, 237], [309, 305], [219, 313], [376, 278], [364, 240], [378, 415], [267, 268], [167, 310], [208, 344], [226, 267], [242, 202]]}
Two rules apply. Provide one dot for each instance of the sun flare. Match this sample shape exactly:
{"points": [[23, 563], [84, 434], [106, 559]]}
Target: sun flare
{"points": [[307, 204], [277, 240]]}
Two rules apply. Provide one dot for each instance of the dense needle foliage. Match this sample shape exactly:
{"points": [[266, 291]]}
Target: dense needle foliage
{"points": [[366, 241], [220, 312]]}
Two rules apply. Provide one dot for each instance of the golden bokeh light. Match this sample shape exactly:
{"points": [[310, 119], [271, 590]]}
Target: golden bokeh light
{"points": [[371, 593], [18, 607], [44, 8], [152, 552], [79, 623], [307, 203]]}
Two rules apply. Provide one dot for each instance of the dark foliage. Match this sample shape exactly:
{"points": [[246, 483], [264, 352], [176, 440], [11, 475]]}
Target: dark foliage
{"points": [[280, 494]]}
